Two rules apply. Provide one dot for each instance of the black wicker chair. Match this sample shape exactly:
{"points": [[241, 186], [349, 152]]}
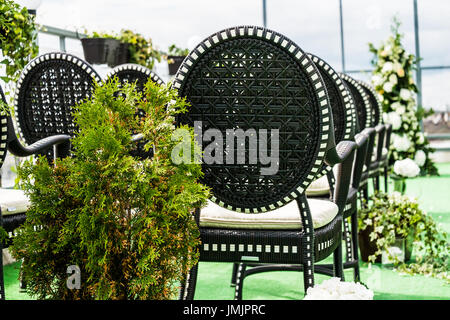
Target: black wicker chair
{"points": [[344, 118], [253, 78], [14, 203], [48, 88], [380, 151], [364, 116], [134, 73]]}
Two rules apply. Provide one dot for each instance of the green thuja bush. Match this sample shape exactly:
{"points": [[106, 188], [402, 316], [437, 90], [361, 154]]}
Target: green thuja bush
{"points": [[125, 222]]}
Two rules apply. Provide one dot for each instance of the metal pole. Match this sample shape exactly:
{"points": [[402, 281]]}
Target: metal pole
{"points": [[342, 36], [419, 69], [264, 14]]}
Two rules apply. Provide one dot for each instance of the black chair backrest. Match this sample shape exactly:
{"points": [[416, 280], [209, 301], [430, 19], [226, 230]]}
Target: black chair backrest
{"points": [[255, 79], [3, 129], [361, 100], [134, 73], [341, 101], [374, 103], [49, 86]]}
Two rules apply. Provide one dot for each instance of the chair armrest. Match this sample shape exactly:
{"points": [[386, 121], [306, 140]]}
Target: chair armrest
{"points": [[362, 141], [340, 153], [344, 154], [60, 143], [137, 137], [380, 130]]}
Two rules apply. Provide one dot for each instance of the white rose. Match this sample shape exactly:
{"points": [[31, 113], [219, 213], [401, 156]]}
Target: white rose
{"points": [[387, 67], [397, 66], [387, 87], [420, 158], [377, 80], [406, 168], [395, 105], [400, 109], [405, 94], [401, 143], [393, 79], [394, 119]]}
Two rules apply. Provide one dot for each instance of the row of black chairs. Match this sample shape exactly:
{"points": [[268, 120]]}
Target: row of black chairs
{"points": [[331, 142]]}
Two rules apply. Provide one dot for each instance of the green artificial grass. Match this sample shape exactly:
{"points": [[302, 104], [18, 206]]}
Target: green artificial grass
{"points": [[214, 278]]}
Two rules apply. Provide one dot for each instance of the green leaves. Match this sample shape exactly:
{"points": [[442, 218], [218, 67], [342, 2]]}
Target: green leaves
{"points": [[397, 216], [126, 222], [17, 38]]}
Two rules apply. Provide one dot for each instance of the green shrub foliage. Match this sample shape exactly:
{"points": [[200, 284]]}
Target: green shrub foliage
{"points": [[125, 222]]}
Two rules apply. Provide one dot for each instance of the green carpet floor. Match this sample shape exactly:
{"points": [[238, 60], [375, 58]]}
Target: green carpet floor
{"points": [[214, 278]]}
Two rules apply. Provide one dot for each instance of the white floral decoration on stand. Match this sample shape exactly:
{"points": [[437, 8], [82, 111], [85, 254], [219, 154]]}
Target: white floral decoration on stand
{"points": [[335, 289], [393, 81]]}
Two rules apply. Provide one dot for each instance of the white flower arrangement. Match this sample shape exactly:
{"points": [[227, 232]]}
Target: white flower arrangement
{"points": [[406, 168], [335, 289], [394, 119], [405, 94], [401, 142], [420, 158], [393, 80]]}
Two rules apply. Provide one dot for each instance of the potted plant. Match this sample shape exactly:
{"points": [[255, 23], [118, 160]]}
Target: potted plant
{"points": [[100, 48], [17, 38], [123, 226], [175, 57], [140, 49], [396, 216]]}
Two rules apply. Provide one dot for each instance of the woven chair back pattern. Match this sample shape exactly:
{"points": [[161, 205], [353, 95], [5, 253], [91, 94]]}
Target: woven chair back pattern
{"points": [[253, 80], [134, 73], [374, 103], [361, 100], [3, 129], [48, 88], [341, 101]]}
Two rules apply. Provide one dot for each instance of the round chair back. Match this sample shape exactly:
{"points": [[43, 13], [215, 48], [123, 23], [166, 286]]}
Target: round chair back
{"points": [[49, 86], [362, 103], [256, 97]]}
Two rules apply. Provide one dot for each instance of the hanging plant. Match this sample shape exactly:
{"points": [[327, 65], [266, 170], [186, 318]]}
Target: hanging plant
{"points": [[141, 49], [394, 216], [17, 38], [124, 222], [393, 80]]}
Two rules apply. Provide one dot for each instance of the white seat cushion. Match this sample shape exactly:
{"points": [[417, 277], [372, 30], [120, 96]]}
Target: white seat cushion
{"points": [[286, 217], [318, 187], [13, 201]]}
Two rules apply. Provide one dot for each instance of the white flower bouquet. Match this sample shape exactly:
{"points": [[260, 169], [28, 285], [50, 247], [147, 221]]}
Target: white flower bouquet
{"points": [[335, 289]]}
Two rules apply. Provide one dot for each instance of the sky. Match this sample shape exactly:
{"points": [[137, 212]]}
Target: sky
{"points": [[313, 25]]}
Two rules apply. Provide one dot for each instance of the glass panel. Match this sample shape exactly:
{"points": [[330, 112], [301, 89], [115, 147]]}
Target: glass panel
{"points": [[366, 22], [313, 25]]}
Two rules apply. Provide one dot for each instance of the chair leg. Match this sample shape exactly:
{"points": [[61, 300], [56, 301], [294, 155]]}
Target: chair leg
{"points": [[385, 179], [2, 280], [354, 226], [348, 242], [240, 276], [187, 290], [337, 263], [376, 183], [234, 274]]}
